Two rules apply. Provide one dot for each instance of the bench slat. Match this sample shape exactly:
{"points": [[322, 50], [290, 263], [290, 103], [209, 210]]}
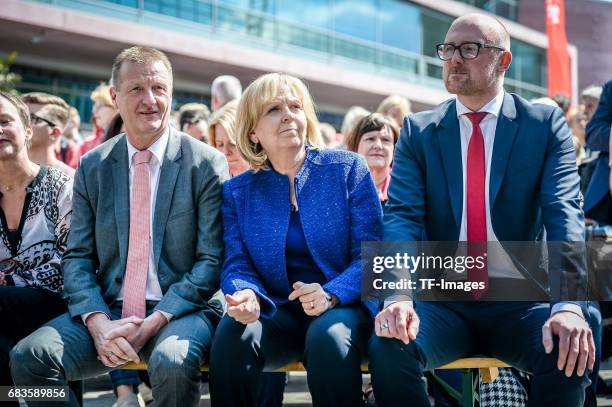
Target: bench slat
{"points": [[466, 363]]}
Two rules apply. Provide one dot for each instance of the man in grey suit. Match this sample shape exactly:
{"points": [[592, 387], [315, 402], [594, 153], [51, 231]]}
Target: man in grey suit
{"points": [[144, 253]]}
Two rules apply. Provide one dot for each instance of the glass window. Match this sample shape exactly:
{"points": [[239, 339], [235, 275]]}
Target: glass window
{"points": [[310, 12], [528, 63], [355, 17], [435, 25], [401, 25]]}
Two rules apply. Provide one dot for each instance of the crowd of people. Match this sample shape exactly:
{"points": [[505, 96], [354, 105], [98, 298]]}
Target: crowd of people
{"points": [[232, 235]]}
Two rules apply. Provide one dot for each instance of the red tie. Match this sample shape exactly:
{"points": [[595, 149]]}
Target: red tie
{"points": [[476, 204], [137, 268]]}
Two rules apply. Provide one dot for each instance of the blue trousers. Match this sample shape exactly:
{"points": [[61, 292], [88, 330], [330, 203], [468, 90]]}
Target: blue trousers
{"points": [[331, 346], [63, 350], [511, 332]]}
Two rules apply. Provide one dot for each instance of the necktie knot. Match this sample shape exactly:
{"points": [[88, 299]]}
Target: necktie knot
{"points": [[476, 117], [143, 156]]}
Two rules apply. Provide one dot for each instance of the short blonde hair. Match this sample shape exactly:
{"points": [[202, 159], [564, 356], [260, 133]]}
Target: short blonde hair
{"points": [[351, 118], [137, 55], [226, 118], [394, 101], [250, 109], [101, 94]]}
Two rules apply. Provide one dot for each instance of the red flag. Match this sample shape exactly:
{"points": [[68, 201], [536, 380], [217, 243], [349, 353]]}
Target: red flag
{"points": [[559, 80]]}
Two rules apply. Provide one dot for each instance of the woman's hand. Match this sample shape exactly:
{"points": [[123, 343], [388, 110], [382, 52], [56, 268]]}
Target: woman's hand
{"points": [[243, 306], [314, 299]]}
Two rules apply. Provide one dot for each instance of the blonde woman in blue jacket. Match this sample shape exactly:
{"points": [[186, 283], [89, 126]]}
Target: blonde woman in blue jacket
{"points": [[293, 227]]}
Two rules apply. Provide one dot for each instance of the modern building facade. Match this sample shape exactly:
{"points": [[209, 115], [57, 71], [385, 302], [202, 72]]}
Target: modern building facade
{"points": [[350, 52], [588, 28]]}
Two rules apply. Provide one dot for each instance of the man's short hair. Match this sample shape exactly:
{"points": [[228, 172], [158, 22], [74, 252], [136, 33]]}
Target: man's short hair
{"points": [[137, 55], [55, 114], [193, 113], [226, 88], [22, 108], [41, 98]]}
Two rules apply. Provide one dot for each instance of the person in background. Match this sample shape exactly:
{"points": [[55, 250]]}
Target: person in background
{"points": [[563, 102], [375, 138], [351, 118], [598, 114], [396, 107], [31, 281], [115, 127], [224, 89], [103, 111], [68, 150], [328, 134], [590, 99], [47, 122], [222, 130], [293, 227], [193, 120]]}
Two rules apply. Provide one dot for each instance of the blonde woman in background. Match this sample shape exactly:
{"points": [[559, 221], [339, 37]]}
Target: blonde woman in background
{"points": [[396, 107], [102, 112], [221, 130]]}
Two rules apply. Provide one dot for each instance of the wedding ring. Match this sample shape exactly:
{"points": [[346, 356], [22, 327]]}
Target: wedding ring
{"points": [[312, 305], [384, 326]]}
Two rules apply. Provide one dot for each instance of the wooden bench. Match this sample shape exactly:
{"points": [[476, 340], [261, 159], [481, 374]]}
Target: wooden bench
{"points": [[473, 369]]}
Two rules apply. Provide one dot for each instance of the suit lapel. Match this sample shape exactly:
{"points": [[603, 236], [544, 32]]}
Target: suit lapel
{"points": [[505, 134], [449, 140], [121, 194], [167, 180]]}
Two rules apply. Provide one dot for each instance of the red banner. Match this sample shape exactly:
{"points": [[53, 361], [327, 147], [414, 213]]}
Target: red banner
{"points": [[559, 80]]}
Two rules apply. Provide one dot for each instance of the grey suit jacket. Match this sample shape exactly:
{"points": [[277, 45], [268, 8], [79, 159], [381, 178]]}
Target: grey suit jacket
{"points": [[187, 227]]}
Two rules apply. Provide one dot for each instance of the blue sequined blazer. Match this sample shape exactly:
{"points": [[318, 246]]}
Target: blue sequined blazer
{"points": [[338, 207]]}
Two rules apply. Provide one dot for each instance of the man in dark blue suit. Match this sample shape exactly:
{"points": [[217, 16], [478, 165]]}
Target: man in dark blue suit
{"points": [[486, 166], [597, 197]]}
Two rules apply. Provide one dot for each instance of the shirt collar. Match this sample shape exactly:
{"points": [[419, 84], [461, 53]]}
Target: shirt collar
{"points": [[492, 107], [158, 148]]}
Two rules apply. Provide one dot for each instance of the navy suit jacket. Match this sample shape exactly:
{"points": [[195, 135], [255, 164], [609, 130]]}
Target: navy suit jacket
{"points": [[598, 139], [534, 182]]}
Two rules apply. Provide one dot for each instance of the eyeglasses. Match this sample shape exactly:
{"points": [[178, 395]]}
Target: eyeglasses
{"points": [[467, 50], [37, 119]]}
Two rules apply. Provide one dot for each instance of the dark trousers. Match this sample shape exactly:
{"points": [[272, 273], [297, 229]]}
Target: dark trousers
{"points": [[22, 311], [331, 347], [511, 332]]}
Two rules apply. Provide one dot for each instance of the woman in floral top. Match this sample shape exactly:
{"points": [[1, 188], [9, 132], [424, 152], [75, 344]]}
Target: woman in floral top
{"points": [[35, 209]]}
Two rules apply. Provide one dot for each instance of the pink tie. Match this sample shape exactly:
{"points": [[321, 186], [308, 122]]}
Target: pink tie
{"points": [[137, 268], [476, 206]]}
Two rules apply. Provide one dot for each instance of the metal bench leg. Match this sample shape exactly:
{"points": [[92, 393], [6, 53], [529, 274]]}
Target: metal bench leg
{"points": [[470, 387]]}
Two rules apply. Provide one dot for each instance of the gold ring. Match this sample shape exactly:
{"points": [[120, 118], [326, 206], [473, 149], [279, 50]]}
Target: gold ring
{"points": [[311, 304]]}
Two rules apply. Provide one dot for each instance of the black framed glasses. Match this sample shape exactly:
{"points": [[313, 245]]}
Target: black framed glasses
{"points": [[467, 50], [37, 119]]}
